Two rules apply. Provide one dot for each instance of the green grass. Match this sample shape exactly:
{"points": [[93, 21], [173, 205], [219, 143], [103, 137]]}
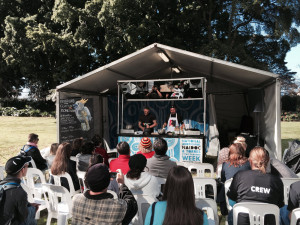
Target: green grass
{"points": [[14, 133]]}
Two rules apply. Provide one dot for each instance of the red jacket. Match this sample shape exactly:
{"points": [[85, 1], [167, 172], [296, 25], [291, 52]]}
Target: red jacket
{"points": [[147, 155], [120, 163], [103, 153]]}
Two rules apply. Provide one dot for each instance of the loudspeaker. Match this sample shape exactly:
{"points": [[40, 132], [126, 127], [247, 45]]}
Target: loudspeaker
{"points": [[256, 100]]}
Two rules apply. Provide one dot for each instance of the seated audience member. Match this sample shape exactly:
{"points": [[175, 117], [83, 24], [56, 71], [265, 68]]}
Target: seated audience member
{"points": [[52, 154], [245, 184], [224, 152], [62, 164], [145, 148], [97, 140], [31, 149], [139, 181], [95, 159], [293, 203], [122, 161], [160, 164], [14, 206], [96, 206], [178, 205], [83, 158], [76, 146], [236, 162]]}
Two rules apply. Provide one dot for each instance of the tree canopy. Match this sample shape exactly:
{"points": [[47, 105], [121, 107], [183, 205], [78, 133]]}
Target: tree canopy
{"points": [[44, 43]]}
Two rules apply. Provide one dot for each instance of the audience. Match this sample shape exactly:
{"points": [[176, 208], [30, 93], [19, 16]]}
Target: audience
{"points": [[96, 206], [122, 161], [31, 149], [14, 205], [83, 158], [247, 185], [178, 205], [139, 181], [76, 146], [145, 148], [160, 164], [97, 140], [52, 154], [62, 164], [95, 159]]}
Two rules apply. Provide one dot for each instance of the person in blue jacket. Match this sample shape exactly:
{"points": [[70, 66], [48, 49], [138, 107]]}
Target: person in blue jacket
{"points": [[178, 206]]}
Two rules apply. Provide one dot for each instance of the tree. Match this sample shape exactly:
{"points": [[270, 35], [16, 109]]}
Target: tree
{"points": [[45, 43]]}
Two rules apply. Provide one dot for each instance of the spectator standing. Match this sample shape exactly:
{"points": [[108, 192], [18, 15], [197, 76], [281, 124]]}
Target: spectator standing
{"points": [[31, 149], [14, 206], [96, 206], [83, 158], [145, 148], [178, 206], [122, 161], [62, 163], [139, 181], [97, 140], [160, 164]]}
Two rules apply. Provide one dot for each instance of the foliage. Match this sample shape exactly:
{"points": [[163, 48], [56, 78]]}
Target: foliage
{"points": [[28, 111], [290, 116], [45, 43], [290, 103]]}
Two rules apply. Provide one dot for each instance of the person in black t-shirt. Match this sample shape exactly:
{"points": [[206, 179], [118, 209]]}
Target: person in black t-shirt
{"points": [[147, 121], [256, 185]]}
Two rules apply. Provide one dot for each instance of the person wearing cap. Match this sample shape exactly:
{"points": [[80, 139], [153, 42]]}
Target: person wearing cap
{"points": [[138, 180], [31, 149], [147, 121], [145, 148], [14, 206], [96, 206], [122, 161], [160, 164], [173, 120]]}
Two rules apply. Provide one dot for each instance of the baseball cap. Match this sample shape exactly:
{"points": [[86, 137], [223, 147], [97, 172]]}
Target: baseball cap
{"points": [[15, 164]]}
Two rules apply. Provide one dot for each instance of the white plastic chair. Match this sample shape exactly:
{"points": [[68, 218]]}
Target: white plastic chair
{"points": [[286, 185], [227, 186], [33, 199], [210, 207], [61, 210], [81, 175], [32, 163], [1, 172], [113, 193], [201, 169], [201, 183], [57, 181], [161, 182], [256, 211], [295, 216], [33, 175], [143, 202], [219, 170]]}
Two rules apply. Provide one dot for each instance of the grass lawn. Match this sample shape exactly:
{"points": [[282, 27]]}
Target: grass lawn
{"points": [[14, 132]]}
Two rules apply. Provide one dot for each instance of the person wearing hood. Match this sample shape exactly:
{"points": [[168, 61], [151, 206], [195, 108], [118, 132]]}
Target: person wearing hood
{"points": [[160, 164], [139, 181]]}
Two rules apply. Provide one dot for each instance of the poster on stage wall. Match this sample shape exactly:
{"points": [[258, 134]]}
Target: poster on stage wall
{"points": [[191, 150]]}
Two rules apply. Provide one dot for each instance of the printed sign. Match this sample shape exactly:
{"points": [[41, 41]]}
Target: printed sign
{"points": [[191, 150]]}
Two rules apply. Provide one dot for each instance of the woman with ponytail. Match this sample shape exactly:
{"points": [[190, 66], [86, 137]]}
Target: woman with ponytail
{"points": [[138, 181], [256, 185], [178, 206]]}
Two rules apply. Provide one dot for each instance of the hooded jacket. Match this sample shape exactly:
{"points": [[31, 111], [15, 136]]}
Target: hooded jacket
{"points": [[146, 184]]}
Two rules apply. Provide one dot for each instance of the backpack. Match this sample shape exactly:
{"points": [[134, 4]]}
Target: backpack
{"points": [[5, 187]]}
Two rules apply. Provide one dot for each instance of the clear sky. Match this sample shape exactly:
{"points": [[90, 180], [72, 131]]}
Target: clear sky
{"points": [[293, 60]]}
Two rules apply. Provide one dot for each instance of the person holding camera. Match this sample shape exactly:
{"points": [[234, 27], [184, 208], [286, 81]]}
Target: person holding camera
{"points": [[96, 206], [154, 93]]}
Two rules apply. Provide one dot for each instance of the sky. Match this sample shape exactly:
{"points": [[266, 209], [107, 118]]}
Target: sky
{"points": [[293, 60]]}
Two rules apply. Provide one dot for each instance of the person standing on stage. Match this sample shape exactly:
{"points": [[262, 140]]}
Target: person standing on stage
{"points": [[173, 120], [147, 121]]}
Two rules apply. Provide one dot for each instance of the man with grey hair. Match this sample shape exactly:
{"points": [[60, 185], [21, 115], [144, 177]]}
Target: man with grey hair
{"points": [[160, 164]]}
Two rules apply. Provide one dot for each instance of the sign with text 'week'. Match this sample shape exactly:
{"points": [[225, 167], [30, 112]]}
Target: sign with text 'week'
{"points": [[191, 150]]}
